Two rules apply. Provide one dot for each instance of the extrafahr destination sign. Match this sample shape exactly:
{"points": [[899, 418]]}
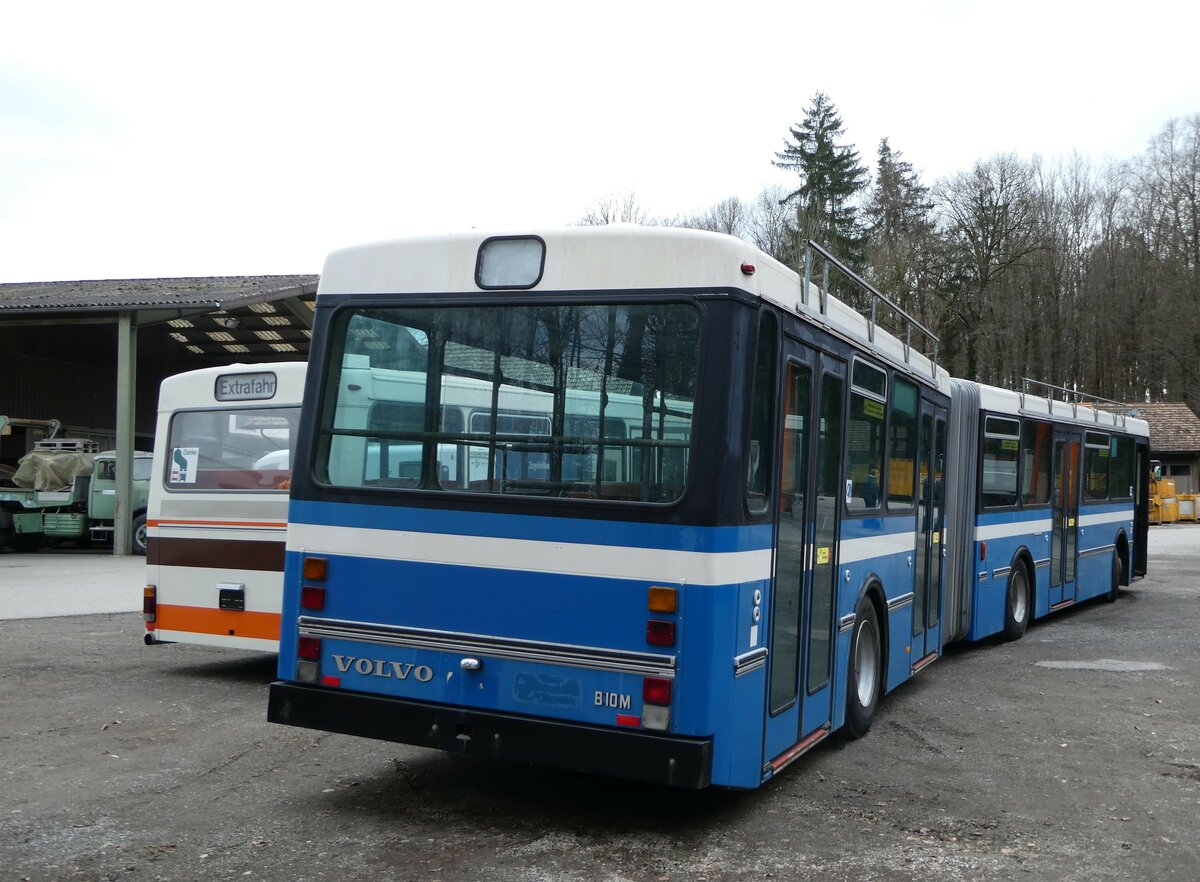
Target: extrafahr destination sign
{"points": [[246, 387]]}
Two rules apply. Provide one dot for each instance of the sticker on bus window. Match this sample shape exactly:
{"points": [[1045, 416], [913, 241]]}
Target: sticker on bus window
{"points": [[823, 555], [849, 491], [937, 538], [183, 465], [872, 408], [1071, 522], [1008, 444]]}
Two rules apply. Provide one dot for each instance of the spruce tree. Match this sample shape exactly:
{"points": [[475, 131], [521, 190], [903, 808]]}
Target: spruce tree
{"points": [[831, 177]]}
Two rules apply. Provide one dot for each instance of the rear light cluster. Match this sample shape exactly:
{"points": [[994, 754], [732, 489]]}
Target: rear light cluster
{"points": [[150, 606], [656, 691], [308, 649]]}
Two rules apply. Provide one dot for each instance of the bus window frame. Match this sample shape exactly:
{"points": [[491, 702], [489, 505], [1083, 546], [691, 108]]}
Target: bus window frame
{"points": [[215, 408], [1015, 505], [1084, 472], [327, 391], [775, 406], [896, 508], [880, 508], [1023, 503]]}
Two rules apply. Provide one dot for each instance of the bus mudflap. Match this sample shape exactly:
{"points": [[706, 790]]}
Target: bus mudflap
{"points": [[658, 759]]}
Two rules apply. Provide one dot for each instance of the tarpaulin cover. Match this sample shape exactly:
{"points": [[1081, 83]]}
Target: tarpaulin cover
{"points": [[51, 469]]}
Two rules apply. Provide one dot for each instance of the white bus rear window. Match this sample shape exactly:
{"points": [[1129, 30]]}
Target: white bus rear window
{"points": [[243, 449]]}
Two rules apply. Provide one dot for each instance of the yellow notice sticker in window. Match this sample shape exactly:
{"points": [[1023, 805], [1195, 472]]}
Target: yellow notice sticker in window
{"points": [[823, 555], [873, 408], [1071, 522], [1009, 444], [937, 538]]}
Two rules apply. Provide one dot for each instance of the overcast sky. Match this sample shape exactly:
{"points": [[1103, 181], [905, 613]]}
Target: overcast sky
{"points": [[171, 139]]}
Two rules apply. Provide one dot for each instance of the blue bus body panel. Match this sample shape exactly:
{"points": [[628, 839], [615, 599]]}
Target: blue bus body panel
{"points": [[1012, 533], [714, 624]]}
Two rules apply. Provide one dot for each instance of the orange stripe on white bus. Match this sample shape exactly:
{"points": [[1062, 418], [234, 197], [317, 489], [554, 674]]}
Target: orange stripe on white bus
{"points": [[222, 622]]}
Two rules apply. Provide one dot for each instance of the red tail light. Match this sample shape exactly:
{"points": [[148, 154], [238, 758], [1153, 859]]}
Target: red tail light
{"points": [[309, 648], [312, 597], [656, 690], [150, 604], [660, 633]]}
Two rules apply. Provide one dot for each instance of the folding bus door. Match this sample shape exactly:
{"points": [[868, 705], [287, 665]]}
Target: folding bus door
{"points": [[800, 628], [1064, 514], [930, 536]]}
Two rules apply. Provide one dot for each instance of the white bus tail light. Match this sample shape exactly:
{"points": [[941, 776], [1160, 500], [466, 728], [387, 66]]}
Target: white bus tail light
{"points": [[150, 606]]}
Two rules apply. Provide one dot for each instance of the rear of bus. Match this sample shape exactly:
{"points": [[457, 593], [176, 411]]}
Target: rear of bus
{"points": [[217, 515], [505, 536]]}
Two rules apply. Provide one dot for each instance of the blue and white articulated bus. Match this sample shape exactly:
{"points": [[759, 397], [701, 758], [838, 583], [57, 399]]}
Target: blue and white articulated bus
{"points": [[641, 502], [1051, 508]]}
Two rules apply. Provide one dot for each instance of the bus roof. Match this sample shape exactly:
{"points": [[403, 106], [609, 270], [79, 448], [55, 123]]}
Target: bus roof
{"points": [[618, 257], [1006, 401], [198, 388]]}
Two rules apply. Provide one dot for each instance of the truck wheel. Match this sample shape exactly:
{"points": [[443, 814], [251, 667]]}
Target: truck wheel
{"points": [[25, 541], [139, 534]]}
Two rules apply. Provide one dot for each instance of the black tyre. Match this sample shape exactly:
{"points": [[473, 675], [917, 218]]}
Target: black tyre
{"points": [[1117, 571], [25, 541], [1017, 604], [139, 534], [866, 670]]}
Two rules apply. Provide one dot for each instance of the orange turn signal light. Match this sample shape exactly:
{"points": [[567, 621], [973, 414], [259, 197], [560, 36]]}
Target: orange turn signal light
{"points": [[663, 599], [315, 568]]}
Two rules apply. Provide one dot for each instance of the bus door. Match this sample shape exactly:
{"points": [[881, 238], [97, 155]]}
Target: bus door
{"points": [[928, 553], [1141, 510], [800, 631], [1064, 515]]}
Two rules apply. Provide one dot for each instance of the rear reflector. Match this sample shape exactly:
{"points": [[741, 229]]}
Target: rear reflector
{"points": [[315, 568], [150, 603], [660, 633], [328, 680], [309, 648], [656, 690], [312, 597]]}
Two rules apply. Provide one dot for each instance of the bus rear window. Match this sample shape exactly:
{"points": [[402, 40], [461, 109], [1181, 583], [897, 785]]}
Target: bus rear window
{"points": [[581, 401], [224, 449]]}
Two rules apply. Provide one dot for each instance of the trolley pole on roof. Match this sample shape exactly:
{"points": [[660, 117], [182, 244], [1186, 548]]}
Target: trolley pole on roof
{"points": [[126, 401]]}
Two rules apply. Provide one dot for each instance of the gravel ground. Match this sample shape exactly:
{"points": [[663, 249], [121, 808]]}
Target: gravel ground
{"points": [[1072, 754]]}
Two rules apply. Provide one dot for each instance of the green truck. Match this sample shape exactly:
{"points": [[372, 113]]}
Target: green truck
{"points": [[65, 489]]}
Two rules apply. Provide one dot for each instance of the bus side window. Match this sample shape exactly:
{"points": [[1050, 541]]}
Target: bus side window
{"points": [[1035, 462], [760, 449]]}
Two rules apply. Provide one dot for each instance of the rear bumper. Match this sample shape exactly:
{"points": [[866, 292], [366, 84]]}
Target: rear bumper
{"points": [[659, 759]]}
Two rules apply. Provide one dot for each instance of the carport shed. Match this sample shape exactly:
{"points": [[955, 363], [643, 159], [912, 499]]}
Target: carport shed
{"points": [[92, 353]]}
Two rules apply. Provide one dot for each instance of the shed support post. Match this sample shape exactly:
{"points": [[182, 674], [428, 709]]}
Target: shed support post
{"points": [[126, 392]]}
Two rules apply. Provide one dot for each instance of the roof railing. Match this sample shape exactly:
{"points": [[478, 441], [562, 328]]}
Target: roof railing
{"points": [[910, 323], [1075, 398]]}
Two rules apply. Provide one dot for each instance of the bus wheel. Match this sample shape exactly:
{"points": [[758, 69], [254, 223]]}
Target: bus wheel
{"points": [[139, 534], [866, 670], [1115, 586], [1016, 607]]}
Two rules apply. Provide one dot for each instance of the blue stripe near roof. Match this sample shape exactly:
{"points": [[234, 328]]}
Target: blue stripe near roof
{"points": [[620, 534]]}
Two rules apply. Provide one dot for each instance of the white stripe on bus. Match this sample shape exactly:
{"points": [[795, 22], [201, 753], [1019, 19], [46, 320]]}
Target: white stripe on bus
{"points": [[1107, 517], [565, 558], [1004, 531], [197, 586], [868, 547]]}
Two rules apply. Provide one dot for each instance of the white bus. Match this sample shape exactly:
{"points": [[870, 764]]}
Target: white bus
{"points": [[217, 513]]}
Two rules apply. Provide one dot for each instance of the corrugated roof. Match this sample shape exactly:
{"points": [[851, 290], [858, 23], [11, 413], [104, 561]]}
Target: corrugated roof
{"points": [[226, 292], [1174, 427]]}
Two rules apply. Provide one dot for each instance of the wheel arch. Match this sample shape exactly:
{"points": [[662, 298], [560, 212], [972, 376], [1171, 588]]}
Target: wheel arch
{"points": [[1122, 545]]}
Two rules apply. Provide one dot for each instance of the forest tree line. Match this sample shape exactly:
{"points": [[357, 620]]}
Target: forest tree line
{"points": [[1059, 270]]}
